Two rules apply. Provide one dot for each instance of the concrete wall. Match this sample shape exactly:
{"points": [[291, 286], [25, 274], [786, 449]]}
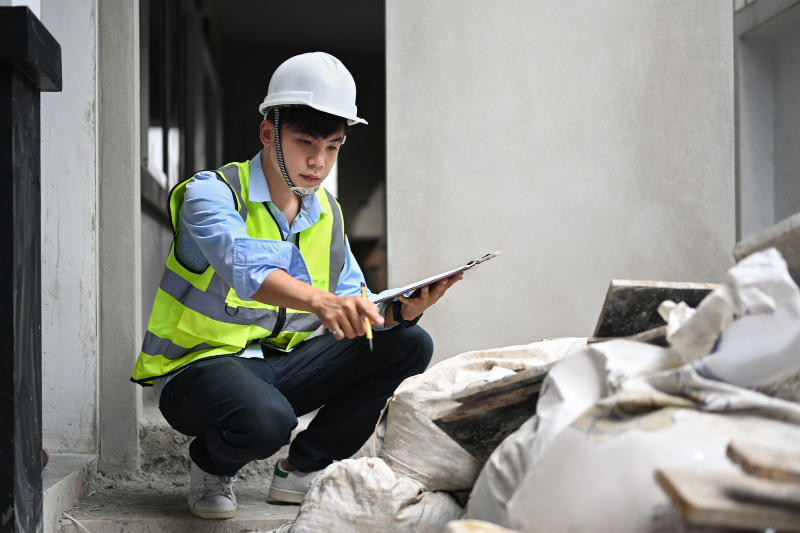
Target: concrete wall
{"points": [[586, 140], [69, 234]]}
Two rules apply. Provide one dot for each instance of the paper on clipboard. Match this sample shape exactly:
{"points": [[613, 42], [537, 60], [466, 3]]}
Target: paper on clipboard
{"points": [[433, 279]]}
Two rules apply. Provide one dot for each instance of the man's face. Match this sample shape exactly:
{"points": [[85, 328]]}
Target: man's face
{"points": [[309, 159]]}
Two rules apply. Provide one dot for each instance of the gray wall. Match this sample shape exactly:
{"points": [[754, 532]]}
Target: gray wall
{"points": [[586, 140], [69, 234]]}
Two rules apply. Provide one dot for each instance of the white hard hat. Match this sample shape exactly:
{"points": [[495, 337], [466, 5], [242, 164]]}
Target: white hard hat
{"points": [[317, 80]]}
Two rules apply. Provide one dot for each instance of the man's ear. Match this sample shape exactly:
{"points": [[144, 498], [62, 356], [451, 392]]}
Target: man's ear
{"points": [[266, 133]]}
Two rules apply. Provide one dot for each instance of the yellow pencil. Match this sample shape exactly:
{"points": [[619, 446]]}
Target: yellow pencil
{"points": [[366, 320]]}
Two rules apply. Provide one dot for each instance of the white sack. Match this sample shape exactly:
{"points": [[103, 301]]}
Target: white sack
{"points": [[572, 386], [597, 474], [501, 475], [365, 496], [758, 307], [416, 447]]}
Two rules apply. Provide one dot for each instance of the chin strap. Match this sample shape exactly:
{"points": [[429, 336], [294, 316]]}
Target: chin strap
{"points": [[299, 191]]}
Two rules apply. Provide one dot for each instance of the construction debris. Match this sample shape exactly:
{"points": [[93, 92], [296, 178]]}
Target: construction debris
{"points": [[732, 500], [785, 236], [414, 446], [631, 308], [610, 435], [766, 461], [765, 495], [614, 412], [570, 388]]}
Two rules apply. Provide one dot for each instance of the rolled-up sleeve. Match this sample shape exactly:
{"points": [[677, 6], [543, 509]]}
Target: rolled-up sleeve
{"points": [[210, 218], [255, 259]]}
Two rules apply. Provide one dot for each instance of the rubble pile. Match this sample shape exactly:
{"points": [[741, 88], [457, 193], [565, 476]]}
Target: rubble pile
{"points": [[695, 424]]}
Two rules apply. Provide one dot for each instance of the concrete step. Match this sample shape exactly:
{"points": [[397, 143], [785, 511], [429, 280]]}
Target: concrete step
{"points": [[155, 507], [64, 481]]}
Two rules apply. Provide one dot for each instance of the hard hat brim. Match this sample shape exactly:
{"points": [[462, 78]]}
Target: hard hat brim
{"points": [[296, 99]]}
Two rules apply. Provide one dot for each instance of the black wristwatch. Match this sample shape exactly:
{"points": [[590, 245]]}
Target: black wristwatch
{"points": [[398, 315]]}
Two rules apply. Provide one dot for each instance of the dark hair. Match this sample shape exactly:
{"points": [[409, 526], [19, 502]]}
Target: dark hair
{"points": [[310, 121]]}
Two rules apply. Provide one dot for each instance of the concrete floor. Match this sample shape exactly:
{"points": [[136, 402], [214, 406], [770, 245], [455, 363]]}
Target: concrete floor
{"points": [[156, 507], [154, 500]]}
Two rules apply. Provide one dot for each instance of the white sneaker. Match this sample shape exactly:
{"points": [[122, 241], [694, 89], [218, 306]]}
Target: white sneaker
{"points": [[211, 496], [291, 486]]}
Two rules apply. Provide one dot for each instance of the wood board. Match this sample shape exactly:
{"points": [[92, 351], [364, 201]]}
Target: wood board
{"points": [[732, 500], [766, 461]]}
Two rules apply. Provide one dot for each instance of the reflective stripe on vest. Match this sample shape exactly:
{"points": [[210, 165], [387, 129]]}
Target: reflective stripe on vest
{"points": [[197, 314]]}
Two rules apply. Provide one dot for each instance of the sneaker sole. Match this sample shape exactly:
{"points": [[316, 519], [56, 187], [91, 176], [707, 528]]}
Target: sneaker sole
{"points": [[213, 515], [286, 496]]}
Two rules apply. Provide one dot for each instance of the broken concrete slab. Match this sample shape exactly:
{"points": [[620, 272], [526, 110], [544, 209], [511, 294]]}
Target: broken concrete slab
{"points": [[785, 236], [631, 307]]}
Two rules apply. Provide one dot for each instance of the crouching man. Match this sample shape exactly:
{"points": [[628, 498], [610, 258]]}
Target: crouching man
{"points": [[258, 315]]}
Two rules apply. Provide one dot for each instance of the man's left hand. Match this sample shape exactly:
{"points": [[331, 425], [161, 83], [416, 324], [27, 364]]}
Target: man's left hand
{"points": [[426, 297]]}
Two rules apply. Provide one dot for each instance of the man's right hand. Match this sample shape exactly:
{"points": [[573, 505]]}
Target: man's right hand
{"points": [[343, 314], [340, 314]]}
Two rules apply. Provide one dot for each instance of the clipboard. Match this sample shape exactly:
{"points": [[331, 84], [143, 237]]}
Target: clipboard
{"points": [[433, 279]]}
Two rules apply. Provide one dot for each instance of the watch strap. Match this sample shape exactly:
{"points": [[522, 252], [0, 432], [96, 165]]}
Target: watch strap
{"points": [[398, 315]]}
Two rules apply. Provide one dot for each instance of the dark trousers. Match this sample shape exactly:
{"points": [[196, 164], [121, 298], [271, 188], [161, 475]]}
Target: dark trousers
{"points": [[241, 409]]}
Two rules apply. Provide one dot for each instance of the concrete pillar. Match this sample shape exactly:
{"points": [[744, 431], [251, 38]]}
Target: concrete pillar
{"points": [[119, 231], [69, 235], [586, 140]]}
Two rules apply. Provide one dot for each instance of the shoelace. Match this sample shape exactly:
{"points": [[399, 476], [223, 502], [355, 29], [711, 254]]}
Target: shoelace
{"points": [[218, 484]]}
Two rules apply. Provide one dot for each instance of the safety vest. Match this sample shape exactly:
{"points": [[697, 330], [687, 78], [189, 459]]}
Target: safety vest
{"points": [[197, 315]]}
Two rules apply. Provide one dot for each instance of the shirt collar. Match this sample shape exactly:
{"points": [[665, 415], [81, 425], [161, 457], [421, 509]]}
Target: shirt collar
{"points": [[259, 191]]}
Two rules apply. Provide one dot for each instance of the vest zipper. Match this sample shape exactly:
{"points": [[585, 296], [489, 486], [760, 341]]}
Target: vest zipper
{"points": [[281, 321]]}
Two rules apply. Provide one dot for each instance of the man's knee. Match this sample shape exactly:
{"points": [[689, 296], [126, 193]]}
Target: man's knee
{"points": [[266, 425], [417, 346]]}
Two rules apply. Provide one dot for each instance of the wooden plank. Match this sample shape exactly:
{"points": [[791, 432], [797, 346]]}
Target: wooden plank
{"points": [[726, 499], [657, 335], [631, 306], [785, 236], [522, 379], [765, 461], [483, 405]]}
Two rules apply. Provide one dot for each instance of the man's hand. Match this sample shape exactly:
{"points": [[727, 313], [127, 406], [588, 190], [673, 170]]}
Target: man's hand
{"points": [[426, 297], [343, 314]]}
